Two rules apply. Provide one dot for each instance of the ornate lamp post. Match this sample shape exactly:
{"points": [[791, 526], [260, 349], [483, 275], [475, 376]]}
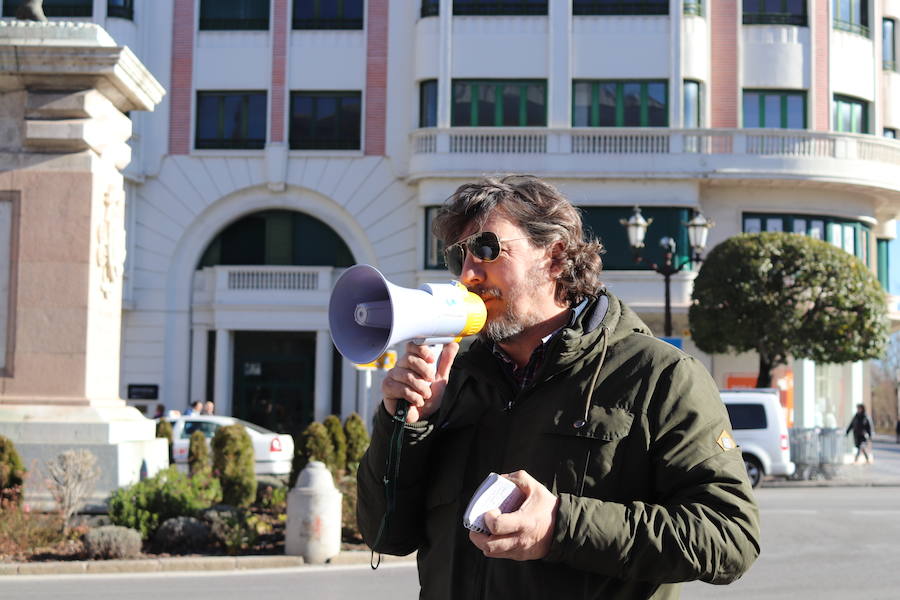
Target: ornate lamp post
{"points": [[698, 231]]}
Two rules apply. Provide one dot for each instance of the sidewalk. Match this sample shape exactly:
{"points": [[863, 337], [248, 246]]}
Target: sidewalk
{"points": [[883, 471], [187, 563]]}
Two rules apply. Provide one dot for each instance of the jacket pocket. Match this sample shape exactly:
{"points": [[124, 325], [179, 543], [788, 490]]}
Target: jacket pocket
{"points": [[585, 454]]}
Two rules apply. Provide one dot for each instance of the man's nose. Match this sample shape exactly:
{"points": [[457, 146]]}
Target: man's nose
{"points": [[472, 271]]}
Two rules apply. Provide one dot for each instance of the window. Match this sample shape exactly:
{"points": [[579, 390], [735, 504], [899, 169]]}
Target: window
{"points": [[775, 12], [234, 14], [890, 133], [434, 248], [617, 7], [55, 8], [852, 16], [774, 109], [325, 120], [852, 236], [231, 120], [692, 107], [747, 416], [884, 262], [499, 103], [888, 46], [509, 7], [693, 7], [620, 104], [430, 8], [603, 222], [120, 8], [328, 14], [428, 103], [850, 115]]}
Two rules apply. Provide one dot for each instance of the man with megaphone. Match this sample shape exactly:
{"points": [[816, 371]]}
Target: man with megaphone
{"points": [[626, 476]]}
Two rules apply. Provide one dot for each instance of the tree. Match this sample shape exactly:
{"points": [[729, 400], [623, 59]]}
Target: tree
{"points": [[782, 295]]}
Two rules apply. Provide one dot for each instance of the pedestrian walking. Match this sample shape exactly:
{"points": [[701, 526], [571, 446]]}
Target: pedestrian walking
{"points": [[861, 427]]}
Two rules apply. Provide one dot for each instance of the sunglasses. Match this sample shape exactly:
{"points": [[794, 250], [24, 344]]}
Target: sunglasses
{"points": [[485, 246]]}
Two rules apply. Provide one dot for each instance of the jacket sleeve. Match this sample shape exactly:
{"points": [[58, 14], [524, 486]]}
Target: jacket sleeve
{"points": [[702, 522], [405, 530]]}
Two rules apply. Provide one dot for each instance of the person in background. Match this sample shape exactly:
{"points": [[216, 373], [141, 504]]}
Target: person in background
{"points": [[209, 408], [196, 408], [897, 431], [619, 441], [160, 411], [861, 427]]}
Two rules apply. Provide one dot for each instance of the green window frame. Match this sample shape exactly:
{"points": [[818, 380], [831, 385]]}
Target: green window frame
{"points": [[523, 103], [326, 120], [123, 9], [693, 104], [620, 103], [852, 16], [328, 14], [775, 12], [883, 250], [428, 101], [616, 7], [603, 222], [693, 7], [847, 234], [232, 15], [430, 8], [434, 248], [888, 45], [851, 115], [505, 7], [230, 120], [55, 8], [774, 109]]}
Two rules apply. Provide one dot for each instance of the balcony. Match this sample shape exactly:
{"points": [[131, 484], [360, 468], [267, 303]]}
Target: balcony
{"points": [[262, 287], [659, 153]]}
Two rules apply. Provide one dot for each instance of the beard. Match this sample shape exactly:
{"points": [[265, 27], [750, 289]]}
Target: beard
{"points": [[512, 322]]}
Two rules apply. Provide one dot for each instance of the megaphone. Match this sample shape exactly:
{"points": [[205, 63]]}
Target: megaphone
{"points": [[367, 313]]}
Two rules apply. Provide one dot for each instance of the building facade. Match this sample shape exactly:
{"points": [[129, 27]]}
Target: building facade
{"points": [[299, 137]]}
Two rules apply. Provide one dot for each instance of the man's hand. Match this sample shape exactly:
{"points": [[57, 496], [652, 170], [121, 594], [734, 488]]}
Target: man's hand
{"points": [[416, 380], [525, 534]]}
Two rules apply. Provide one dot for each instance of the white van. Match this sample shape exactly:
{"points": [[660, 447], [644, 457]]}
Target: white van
{"points": [[760, 429]]}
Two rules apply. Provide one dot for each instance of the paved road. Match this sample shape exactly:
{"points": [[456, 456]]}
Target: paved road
{"points": [[818, 543]]}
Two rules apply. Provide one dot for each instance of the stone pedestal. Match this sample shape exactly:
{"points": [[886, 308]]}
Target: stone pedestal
{"points": [[65, 89]]}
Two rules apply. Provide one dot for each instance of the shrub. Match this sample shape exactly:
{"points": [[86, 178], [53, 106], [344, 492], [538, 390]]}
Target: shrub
{"points": [[24, 532], [233, 464], [315, 444], [234, 528], [146, 505], [349, 528], [164, 430], [198, 454], [339, 443], [271, 495], [72, 477], [112, 541], [357, 441], [181, 535], [12, 472]]}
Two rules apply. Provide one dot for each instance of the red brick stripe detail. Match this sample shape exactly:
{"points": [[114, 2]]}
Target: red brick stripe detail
{"points": [[820, 100], [181, 85], [376, 76], [279, 67], [724, 92]]}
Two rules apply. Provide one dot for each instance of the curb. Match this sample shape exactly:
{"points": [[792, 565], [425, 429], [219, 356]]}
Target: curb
{"points": [[189, 563]]}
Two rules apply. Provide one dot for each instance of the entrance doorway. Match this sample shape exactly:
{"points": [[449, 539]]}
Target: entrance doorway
{"points": [[274, 379]]}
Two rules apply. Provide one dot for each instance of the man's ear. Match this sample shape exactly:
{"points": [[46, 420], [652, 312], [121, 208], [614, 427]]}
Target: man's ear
{"points": [[557, 255]]}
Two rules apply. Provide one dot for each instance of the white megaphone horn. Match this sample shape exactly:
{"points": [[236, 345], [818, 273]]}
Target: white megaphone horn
{"points": [[367, 314]]}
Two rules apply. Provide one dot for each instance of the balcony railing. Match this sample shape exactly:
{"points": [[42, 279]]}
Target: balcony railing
{"points": [[773, 18], [260, 285]]}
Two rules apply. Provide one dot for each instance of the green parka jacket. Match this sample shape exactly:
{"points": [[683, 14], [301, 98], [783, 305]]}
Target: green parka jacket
{"points": [[652, 490]]}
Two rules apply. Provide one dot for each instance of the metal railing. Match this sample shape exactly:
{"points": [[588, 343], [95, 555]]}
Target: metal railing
{"points": [[817, 452], [272, 279], [649, 7]]}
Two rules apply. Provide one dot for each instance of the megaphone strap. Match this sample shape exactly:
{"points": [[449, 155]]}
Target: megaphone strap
{"points": [[391, 474]]}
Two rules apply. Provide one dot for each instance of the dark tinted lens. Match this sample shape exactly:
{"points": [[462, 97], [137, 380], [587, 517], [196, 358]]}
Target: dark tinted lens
{"points": [[485, 246], [454, 256]]}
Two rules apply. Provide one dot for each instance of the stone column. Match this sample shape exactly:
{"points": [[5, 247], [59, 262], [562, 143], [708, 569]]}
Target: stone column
{"points": [[324, 360], [222, 376], [199, 352], [64, 92]]}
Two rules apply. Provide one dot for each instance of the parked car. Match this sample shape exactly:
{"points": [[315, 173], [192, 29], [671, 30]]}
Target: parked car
{"points": [[760, 429], [273, 451]]}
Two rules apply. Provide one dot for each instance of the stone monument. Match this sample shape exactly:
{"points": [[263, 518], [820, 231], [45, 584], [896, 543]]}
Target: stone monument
{"points": [[65, 89]]}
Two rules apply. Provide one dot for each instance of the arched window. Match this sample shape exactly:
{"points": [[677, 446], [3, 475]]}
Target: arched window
{"points": [[277, 237]]}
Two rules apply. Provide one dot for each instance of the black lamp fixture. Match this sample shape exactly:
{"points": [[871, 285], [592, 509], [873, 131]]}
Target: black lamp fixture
{"points": [[698, 232]]}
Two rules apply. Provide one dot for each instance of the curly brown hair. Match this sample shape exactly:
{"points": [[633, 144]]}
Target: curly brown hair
{"points": [[542, 212]]}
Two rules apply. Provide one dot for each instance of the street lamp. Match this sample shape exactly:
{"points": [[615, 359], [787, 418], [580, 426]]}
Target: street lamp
{"points": [[698, 231]]}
